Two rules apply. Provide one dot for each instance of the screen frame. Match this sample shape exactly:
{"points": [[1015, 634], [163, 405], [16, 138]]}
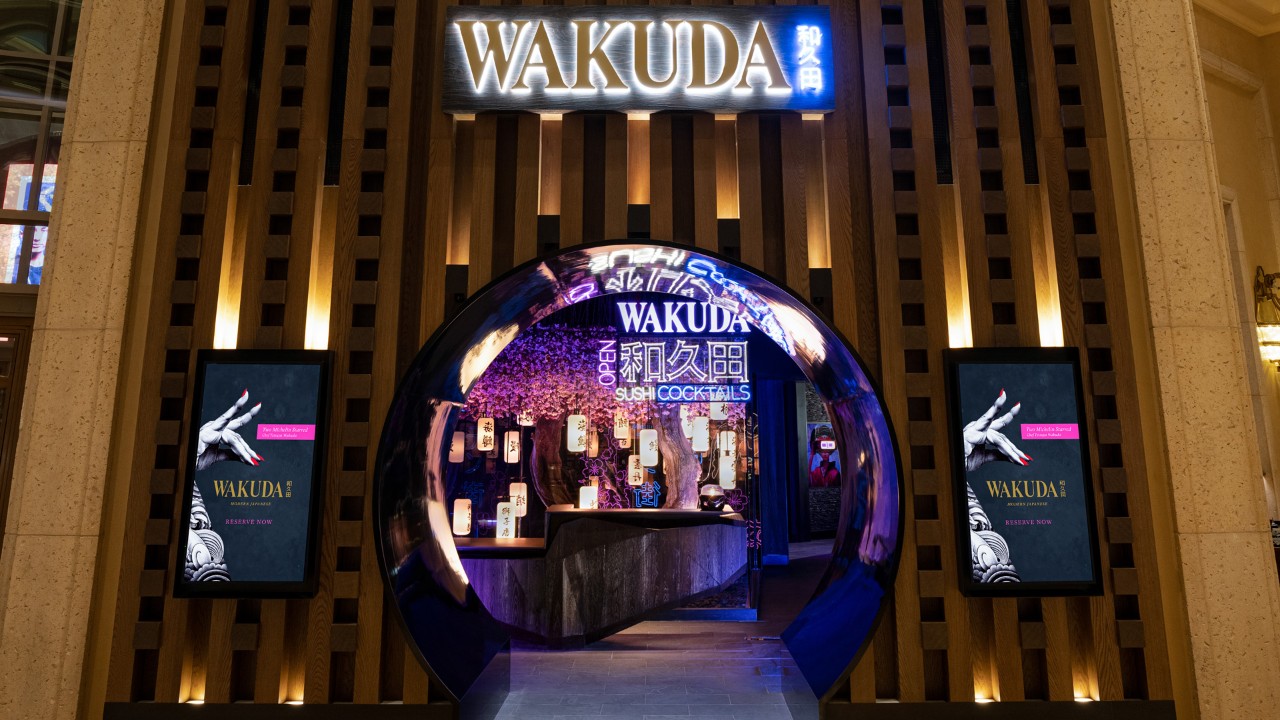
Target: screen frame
{"points": [[309, 584], [952, 360]]}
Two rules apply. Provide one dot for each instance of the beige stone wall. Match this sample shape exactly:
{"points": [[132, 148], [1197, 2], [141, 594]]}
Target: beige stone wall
{"points": [[1210, 442], [52, 534]]}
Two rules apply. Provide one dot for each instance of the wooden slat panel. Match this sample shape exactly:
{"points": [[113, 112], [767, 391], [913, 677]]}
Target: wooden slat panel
{"points": [[829, 202], [552, 144], [816, 194], [528, 153], [959, 667], [726, 167], [638, 160], [795, 204], [661, 223], [749, 191], [1018, 214], [173, 667], [460, 218], [571, 180], [483, 161], [705, 198], [1053, 174], [910, 675], [437, 212], [615, 177]]}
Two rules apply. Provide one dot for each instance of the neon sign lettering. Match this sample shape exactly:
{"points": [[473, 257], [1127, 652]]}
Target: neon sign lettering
{"points": [[678, 318], [637, 58], [682, 361], [606, 367], [684, 393], [809, 39]]}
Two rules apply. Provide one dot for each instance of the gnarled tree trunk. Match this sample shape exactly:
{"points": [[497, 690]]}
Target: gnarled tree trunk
{"points": [[545, 465], [681, 464]]}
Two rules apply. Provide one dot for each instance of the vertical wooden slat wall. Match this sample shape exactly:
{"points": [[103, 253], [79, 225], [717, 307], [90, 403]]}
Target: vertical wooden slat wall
{"points": [[937, 219]]}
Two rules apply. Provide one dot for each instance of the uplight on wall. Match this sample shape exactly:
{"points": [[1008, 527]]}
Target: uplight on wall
{"points": [[1267, 314]]}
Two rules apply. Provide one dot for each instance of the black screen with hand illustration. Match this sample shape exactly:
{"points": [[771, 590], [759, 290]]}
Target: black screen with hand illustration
{"points": [[1023, 495], [253, 474]]}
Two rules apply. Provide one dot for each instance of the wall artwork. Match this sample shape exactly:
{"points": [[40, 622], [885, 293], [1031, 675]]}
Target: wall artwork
{"points": [[1024, 508], [254, 474]]}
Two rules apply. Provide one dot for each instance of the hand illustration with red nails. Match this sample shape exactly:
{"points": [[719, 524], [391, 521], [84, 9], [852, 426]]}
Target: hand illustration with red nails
{"points": [[983, 441], [218, 439]]}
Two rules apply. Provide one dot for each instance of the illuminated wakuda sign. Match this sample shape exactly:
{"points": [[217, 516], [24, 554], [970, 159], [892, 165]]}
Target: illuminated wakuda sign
{"points": [[678, 318], [638, 59]]}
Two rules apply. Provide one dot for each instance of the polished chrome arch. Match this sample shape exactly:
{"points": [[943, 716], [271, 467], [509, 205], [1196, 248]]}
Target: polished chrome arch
{"points": [[458, 641]]}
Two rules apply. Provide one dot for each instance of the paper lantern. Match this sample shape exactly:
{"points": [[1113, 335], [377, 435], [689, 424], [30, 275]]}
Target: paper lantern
{"points": [[728, 472], [621, 426], [686, 423], [649, 447], [593, 443], [461, 517], [576, 437], [512, 444], [718, 411], [457, 448], [624, 443], [701, 433], [588, 497], [484, 434], [506, 521], [635, 471], [519, 493], [525, 418], [728, 443]]}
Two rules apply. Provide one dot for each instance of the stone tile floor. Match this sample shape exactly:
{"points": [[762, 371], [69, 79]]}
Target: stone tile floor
{"points": [[660, 670], [686, 670]]}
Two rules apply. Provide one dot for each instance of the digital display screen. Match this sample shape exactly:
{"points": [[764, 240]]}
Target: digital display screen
{"points": [[253, 474], [1023, 494]]}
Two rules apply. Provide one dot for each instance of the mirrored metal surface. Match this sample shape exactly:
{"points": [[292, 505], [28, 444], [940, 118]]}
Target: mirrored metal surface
{"points": [[451, 631]]}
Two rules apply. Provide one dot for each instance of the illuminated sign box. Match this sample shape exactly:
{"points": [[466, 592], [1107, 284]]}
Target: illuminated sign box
{"points": [[638, 59], [1025, 519]]}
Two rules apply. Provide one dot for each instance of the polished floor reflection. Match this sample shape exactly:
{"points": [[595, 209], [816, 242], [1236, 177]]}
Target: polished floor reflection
{"points": [[680, 669]]}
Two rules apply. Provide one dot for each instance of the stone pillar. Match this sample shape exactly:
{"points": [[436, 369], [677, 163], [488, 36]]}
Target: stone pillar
{"points": [[1233, 601], [50, 554]]}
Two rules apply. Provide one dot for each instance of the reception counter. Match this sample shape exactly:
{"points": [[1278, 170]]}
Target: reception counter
{"points": [[599, 571]]}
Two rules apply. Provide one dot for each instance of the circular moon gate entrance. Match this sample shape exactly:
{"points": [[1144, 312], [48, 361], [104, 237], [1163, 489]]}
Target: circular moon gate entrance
{"points": [[460, 644]]}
